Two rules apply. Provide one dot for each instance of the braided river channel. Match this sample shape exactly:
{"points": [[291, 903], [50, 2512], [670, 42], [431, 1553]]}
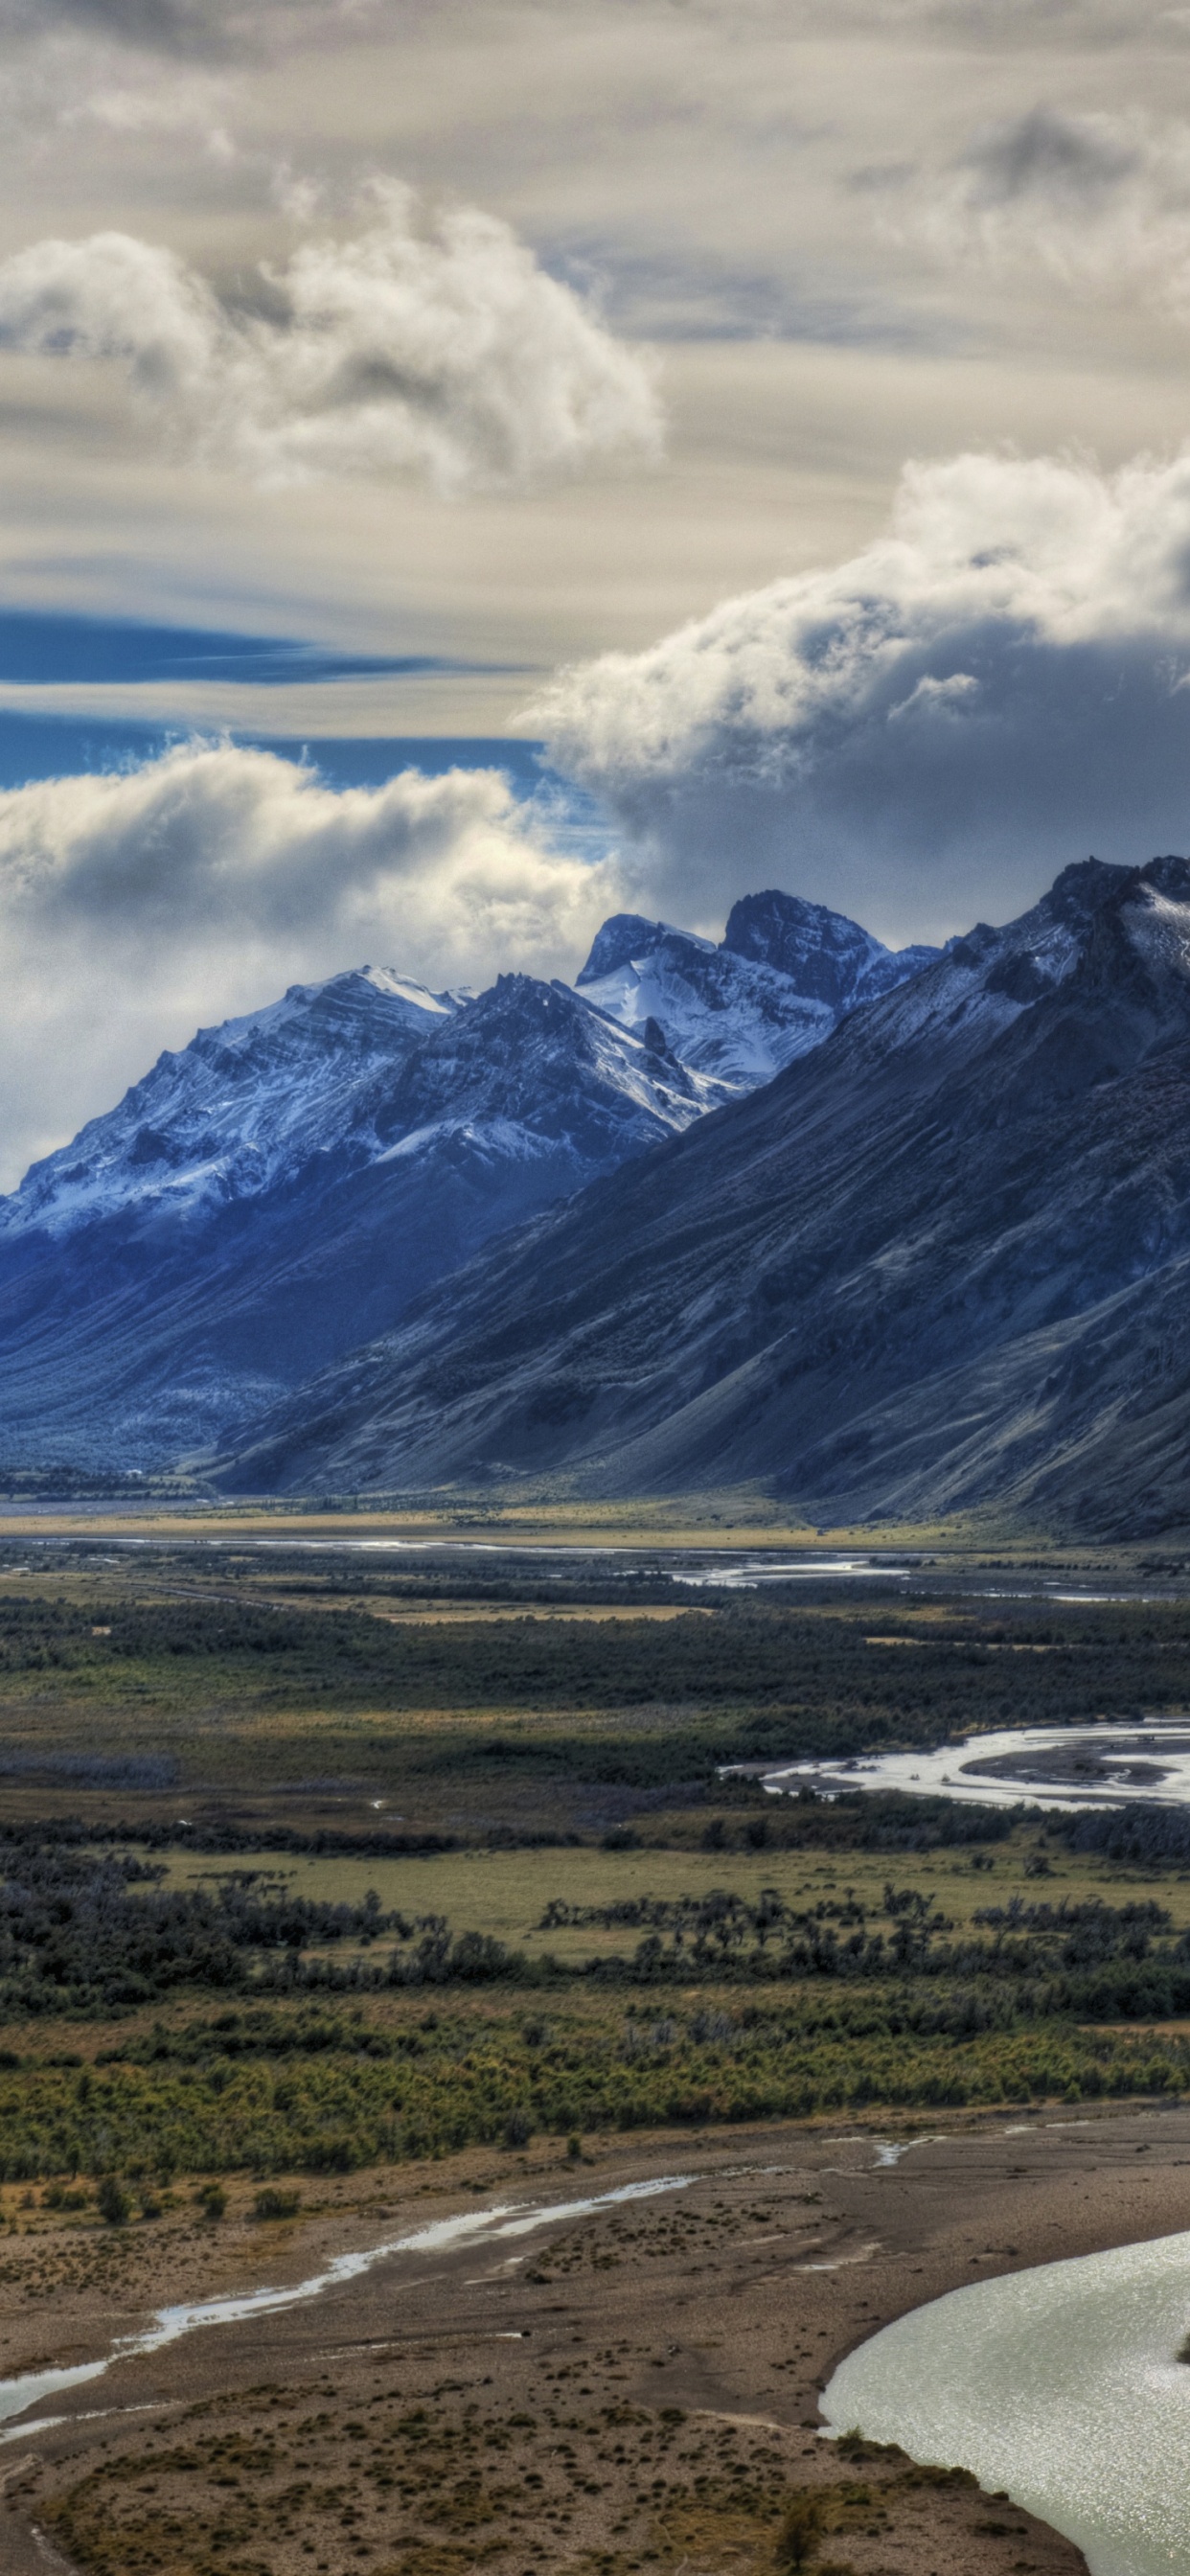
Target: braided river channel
{"points": [[1060, 2385]]}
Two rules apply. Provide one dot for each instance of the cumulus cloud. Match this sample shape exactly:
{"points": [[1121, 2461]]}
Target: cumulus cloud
{"points": [[434, 345], [999, 684], [135, 907], [1102, 200]]}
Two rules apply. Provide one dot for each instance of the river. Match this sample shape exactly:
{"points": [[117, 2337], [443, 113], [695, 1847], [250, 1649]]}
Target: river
{"points": [[1060, 2385]]}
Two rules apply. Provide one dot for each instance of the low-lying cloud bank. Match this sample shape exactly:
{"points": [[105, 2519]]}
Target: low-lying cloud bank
{"points": [[135, 908], [925, 733], [434, 346]]}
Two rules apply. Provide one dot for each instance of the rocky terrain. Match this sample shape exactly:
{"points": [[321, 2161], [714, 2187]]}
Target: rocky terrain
{"points": [[938, 1261], [781, 978]]}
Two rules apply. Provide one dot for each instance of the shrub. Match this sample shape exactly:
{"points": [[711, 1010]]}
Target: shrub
{"points": [[271, 2203], [799, 2532]]}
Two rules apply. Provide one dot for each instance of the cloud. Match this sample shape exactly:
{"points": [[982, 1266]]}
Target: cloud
{"points": [[173, 27], [188, 103], [433, 346], [997, 685], [1102, 200], [135, 907], [166, 26]]}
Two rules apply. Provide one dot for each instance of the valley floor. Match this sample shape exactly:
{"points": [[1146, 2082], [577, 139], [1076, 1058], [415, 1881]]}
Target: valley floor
{"points": [[339, 1896]]}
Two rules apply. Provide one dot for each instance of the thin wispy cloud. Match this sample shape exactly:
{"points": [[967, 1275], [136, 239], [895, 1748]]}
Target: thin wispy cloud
{"points": [[425, 344], [189, 103]]}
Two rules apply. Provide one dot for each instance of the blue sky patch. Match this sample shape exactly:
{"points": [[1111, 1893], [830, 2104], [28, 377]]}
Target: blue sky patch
{"points": [[51, 746], [40, 647]]}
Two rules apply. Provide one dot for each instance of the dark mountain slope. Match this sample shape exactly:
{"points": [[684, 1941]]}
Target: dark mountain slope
{"points": [[891, 1279], [827, 955]]}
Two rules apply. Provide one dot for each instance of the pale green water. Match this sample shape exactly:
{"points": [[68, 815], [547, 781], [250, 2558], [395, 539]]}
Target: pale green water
{"points": [[1059, 2384]]}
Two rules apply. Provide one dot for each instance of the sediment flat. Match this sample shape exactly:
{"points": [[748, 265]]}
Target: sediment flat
{"points": [[553, 2399]]}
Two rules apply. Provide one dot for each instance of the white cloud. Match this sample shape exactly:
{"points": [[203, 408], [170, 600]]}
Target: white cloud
{"points": [[135, 907], [999, 684], [1102, 200], [431, 346]]}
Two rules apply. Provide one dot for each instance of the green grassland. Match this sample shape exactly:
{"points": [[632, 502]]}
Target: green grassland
{"points": [[505, 1894]]}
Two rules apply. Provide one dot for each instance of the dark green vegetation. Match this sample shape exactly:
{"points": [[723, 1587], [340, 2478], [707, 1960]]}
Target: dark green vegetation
{"points": [[160, 1682], [240, 2021], [79, 1933]]}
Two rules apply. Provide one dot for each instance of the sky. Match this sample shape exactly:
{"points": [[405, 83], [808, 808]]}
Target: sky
{"points": [[470, 468]]}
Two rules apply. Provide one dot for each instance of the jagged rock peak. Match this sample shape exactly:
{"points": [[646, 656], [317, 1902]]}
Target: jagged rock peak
{"points": [[628, 935], [830, 958]]}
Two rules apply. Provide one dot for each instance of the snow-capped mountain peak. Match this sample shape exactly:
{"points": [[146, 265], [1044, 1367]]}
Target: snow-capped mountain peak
{"points": [[227, 1116], [279, 1190], [628, 935]]}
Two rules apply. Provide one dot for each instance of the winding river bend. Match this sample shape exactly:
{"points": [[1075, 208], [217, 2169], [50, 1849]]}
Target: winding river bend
{"points": [[1061, 2385]]}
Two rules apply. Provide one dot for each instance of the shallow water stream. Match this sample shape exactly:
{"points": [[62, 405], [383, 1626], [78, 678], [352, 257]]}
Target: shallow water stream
{"points": [[477, 2227], [1060, 2384]]}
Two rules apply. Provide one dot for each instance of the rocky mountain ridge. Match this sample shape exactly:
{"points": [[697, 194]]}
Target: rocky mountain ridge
{"points": [[781, 978], [939, 1260], [279, 1190]]}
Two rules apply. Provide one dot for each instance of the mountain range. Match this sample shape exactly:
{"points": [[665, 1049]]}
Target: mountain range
{"points": [[941, 1258], [283, 1189]]}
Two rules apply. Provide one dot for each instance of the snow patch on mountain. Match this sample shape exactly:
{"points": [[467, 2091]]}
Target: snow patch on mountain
{"points": [[781, 978], [733, 1021], [1158, 924]]}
